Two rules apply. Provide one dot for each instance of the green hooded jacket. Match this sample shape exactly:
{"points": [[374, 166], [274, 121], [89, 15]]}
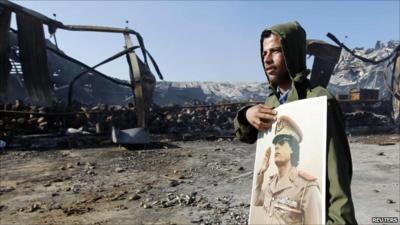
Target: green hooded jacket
{"points": [[339, 204]]}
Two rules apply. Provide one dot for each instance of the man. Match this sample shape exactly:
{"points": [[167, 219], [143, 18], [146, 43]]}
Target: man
{"points": [[283, 54], [291, 196]]}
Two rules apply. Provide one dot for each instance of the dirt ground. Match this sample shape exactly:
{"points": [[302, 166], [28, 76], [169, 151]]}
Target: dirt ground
{"points": [[196, 182]]}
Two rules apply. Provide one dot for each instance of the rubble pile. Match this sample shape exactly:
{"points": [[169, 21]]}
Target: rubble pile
{"points": [[204, 121], [188, 122], [363, 122], [19, 119], [201, 121]]}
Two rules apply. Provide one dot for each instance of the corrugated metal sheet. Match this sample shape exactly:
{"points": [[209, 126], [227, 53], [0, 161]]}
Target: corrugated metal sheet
{"points": [[5, 18], [32, 51]]}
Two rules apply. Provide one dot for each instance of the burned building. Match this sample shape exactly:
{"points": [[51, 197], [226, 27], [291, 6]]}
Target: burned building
{"points": [[38, 72]]}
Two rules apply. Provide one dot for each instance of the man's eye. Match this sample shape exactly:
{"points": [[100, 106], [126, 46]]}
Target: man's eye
{"points": [[277, 50]]}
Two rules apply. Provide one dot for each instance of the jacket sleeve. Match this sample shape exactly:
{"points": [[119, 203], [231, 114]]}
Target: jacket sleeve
{"points": [[243, 130], [312, 206], [340, 209]]}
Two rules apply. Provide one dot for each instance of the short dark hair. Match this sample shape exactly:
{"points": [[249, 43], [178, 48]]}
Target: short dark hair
{"points": [[265, 34], [294, 145]]}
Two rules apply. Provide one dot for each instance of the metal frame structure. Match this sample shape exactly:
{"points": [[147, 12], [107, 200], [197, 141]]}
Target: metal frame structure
{"points": [[31, 42]]}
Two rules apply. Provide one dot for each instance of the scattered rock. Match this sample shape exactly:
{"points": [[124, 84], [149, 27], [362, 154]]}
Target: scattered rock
{"points": [[67, 188], [90, 172], [198, 220], [76, 210], [54, 206], [173, 183], [93, 164], [89, 167], [3, 207], [118, 196], [134, 197], [119, 170], [5, 189], [146, 206], [94, 199], [140, 191], [121, 207], [76, 188], [225, 199], [168, 203], [390, 201], [205, 205], [35, 206], [69, 166], [117, 185]]}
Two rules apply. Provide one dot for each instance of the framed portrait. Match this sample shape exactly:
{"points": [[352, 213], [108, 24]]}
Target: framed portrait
{"points": [[289, 171]]}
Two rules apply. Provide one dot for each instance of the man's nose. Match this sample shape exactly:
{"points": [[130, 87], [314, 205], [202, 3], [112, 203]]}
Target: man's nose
{"points": [[267, 59]]}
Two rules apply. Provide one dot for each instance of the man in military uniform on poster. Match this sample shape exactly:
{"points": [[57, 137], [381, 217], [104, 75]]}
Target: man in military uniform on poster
{"points": [[283, 55], [291, 196]]}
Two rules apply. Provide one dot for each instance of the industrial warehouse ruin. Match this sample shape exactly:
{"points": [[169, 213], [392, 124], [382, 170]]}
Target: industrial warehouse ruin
{"points": [[79, 146]]}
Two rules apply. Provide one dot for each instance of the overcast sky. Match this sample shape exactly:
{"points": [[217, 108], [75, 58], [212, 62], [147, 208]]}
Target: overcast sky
{"points": [[212, 40]]}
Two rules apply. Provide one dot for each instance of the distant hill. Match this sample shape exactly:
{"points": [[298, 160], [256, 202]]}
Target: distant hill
{"points": [[208, 92]]}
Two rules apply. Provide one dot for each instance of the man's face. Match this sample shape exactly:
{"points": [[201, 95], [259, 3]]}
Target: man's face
{"points": [[283, 152], [274, 61]]}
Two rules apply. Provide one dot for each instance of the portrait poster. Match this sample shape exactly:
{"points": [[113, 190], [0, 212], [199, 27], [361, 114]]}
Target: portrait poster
{"points": [[289, 171]]}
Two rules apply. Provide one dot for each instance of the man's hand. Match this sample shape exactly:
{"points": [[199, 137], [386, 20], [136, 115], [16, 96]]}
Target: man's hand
{"points": [[261, 116], [265, 163]]}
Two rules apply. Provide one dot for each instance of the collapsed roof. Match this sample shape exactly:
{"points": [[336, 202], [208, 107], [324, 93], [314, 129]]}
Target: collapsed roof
{"points": [[30, 62]]}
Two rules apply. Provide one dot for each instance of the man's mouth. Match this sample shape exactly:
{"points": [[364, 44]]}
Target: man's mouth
{"points": [[270, 69]]}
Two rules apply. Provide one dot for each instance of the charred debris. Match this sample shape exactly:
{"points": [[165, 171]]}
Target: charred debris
{"points": [[51, 100]]}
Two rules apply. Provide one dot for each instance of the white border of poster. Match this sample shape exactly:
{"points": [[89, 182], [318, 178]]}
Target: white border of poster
{"points": [[311, 117]]}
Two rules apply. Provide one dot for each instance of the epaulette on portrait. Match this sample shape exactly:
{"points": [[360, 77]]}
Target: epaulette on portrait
{"points": [[306, 176]]}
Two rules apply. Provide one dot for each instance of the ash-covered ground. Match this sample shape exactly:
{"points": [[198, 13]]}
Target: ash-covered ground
{"points": [[171, 182]]}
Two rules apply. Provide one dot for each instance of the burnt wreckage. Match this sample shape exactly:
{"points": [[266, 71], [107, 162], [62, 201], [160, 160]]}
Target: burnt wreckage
{"points": [[59, 89], [30, 62]]}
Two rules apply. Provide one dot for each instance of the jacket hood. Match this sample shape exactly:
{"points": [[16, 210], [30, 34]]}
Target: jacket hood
{"points": [[293, 42]]}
